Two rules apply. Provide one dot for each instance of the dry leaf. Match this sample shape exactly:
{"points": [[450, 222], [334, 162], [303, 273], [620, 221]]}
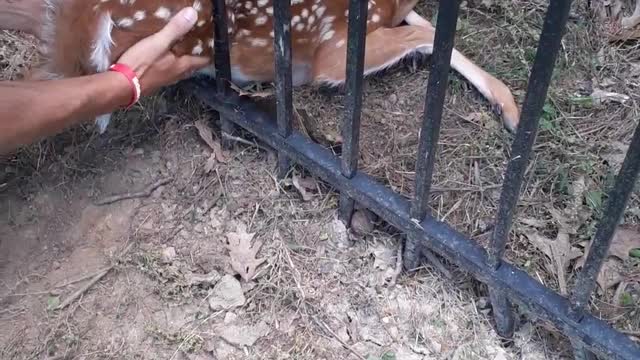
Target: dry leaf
{"points": [[207, 136], [242, 253], [211, 162], [609, 274], [261, 94], [245, 92], [601, 97], [625, 239], [205, 133], [297, 183], [559, 251]]}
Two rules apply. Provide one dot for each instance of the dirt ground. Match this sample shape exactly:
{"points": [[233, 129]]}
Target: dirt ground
{"points": [[154, 277]]}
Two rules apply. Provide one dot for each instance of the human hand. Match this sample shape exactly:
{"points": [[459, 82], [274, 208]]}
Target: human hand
{"points": [[154, 63]]}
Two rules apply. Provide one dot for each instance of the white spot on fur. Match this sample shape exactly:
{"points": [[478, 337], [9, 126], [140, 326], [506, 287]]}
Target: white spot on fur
{"points": [[300, 27], [262, 3], [295, 19], [248, 5], [321, 11], [314, 7], [258, 42], [304, 13], [139, 15], [197, 50], [197, 5], [125, 22], [375, 18], [311, 20], [211, 43], [295, 2], [328, 19], [253, 11], [162, 13], [340, 43], [200, 23], [261, 20], [327, 36], [271, 33], [269, 10]]}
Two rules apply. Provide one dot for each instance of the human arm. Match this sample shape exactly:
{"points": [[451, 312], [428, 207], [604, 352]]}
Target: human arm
{"points": [[32, 110]]}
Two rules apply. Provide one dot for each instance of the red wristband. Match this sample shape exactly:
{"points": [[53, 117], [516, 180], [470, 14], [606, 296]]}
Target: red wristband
{"points": [[133, 81]]}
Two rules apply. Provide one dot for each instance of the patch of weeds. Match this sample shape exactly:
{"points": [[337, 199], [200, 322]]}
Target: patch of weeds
{"points": [[172, 278], [549, 119], [626, 299], [389, 355]]}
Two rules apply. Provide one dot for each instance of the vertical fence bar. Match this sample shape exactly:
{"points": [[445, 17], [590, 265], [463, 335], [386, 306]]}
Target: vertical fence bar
{"points": [[284, 92], [546, 54], [613, 212], [222, 61], [357, 31], [436, 90]]}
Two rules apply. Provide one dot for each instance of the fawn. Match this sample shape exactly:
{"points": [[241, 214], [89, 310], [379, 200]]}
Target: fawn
{"points": [[85, 36]]}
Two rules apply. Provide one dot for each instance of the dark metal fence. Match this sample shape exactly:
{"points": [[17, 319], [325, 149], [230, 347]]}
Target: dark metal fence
{"points": [[507, 284]]}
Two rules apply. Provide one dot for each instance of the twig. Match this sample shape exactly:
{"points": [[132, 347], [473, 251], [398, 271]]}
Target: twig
{"points": [[399, 264], [83, 278], [335, 336], [84, 288], [145, 193], [461, 189], [243, 141], [631, 332]]}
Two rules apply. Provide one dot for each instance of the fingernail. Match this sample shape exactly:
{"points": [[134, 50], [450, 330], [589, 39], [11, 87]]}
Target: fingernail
{"points": [[190, 14]]}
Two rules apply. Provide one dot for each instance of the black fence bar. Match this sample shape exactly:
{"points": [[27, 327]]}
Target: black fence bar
{"points": [[434, 104], [222, 61], [531, 295], [548, 48], [284, 93], [357, 31], [614, 210], [547, 52], [430, 132]]}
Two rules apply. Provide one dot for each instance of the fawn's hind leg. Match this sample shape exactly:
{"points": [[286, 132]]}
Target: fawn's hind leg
{"points": [[385, 47]]}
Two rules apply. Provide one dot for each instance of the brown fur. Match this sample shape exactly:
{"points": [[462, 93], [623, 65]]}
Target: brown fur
{"points": [[318, 45]]}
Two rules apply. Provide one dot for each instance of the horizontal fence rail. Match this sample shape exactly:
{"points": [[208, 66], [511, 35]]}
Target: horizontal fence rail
{"points": [[507, 284]]}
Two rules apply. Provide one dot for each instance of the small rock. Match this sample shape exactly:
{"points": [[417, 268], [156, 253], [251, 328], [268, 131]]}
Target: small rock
{"points": [[230, 317], [361, 223], [224, 350], [227, 294], [238, 335], [338, 233], [483, 303], [168, 254]]}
